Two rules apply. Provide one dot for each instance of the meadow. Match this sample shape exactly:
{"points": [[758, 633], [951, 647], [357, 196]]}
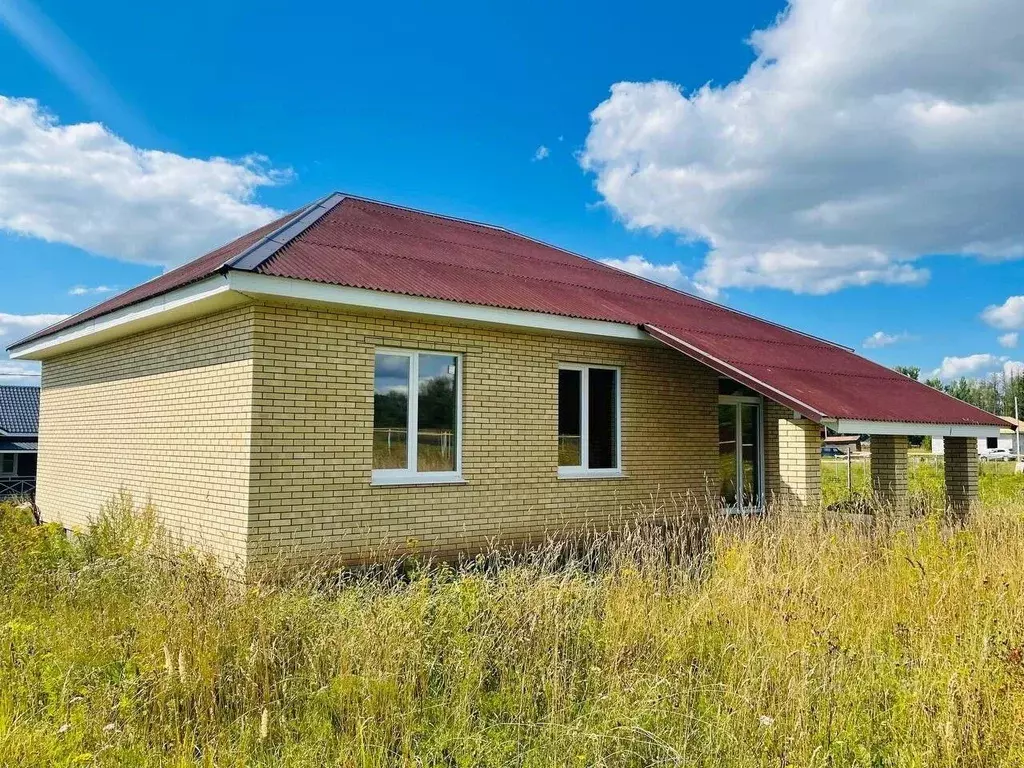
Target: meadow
{"points": [[790, 640], [997, 482]]}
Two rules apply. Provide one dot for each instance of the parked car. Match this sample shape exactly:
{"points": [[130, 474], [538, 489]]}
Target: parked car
{"points": [[831, 451], [999, 454]]}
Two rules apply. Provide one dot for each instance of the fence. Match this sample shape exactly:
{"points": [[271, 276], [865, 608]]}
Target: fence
{"points": [[853, 469], [395, 439], [18, 487]]}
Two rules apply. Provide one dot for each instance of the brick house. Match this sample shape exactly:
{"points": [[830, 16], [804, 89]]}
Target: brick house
{"points": [[358, 373]]}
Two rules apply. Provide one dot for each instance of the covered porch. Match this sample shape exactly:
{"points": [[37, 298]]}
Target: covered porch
{"points": [[771, 456], [776, 400]]}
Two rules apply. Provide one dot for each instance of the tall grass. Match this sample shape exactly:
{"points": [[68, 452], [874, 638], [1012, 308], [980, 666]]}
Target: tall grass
{"points": [[794, 640]]}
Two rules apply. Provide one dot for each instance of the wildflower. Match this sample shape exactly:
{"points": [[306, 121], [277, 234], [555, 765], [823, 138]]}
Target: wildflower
{"points": [[64, 729], [264, 724], [110, 727], [766, 721]]}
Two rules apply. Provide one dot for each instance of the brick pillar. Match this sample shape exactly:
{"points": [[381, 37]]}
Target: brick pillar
{"points": [[961, 458], [889, 470], [799, 481]]}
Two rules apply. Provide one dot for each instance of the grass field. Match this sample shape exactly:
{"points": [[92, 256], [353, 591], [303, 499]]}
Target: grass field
{"points": [[794, 640], [997, 483]]}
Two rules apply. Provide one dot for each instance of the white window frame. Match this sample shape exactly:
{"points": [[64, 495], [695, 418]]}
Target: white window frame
{"points": [[14, 471], [741, 506], [409, 475], [582, 469]]}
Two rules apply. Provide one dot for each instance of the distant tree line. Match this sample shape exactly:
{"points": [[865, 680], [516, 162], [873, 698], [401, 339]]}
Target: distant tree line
{"points": [[436, 406], [994, 393]]}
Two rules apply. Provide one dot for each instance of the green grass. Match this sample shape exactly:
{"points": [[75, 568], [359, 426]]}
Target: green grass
{"points": [[795, 640], [997, 483]]}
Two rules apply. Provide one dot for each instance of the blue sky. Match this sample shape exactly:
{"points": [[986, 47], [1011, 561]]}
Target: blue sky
{"points": [[817, 180]]}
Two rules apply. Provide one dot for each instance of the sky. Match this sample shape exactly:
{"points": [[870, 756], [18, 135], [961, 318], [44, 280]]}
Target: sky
{"points": [[852, 169]]}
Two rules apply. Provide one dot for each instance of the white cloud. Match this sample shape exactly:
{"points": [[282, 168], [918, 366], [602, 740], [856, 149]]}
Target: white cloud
{"points": [[1009, 315], [882, 339], [16, 372], [541, 153], [82, 185], [26, 324], [970, 365], [12, 329], [667, 274], [1013, 369], [1009, 340], [866, 135], [84, 290]]}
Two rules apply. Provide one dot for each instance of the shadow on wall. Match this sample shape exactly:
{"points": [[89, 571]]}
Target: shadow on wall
{"points": [[224, 337]]}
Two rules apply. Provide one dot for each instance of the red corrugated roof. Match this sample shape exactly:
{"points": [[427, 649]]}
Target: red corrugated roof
{"points": [[365, 244], [186, 274]]}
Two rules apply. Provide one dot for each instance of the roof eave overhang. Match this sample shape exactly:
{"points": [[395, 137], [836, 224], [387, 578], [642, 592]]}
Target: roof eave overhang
{"points": [[737, 374], [867, 427], [842, 426], [206, 296], [236, 287]]}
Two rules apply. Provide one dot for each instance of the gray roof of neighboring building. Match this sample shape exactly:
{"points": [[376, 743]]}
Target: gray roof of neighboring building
{"points": [[18, 446], [19, 410]]}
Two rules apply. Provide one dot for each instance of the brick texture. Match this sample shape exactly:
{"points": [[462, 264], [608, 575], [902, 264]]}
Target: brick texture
{"points": [[961, 460], [889, 469], [792, 458], [166, 415], [251, 433], [312, 439]]}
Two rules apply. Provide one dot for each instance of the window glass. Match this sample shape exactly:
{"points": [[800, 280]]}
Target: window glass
{"points": [[436, 436], [750, 416], [27, 464], [391, 411], [570, 418], [602, 440], [727, 454], [6, 463]]}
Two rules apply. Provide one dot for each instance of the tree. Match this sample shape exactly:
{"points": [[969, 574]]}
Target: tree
{"points": [[908, 370]]}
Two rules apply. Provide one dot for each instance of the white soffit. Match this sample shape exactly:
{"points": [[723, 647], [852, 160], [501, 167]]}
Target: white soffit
{"points": [[858, 427], [222, 291], [204, 297]]}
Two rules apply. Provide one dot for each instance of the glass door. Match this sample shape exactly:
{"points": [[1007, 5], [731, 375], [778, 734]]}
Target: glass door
{"points": [[739, 453]]}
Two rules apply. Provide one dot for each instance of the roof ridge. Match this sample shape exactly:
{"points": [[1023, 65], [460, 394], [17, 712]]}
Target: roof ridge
{"points": [[249, 259]]}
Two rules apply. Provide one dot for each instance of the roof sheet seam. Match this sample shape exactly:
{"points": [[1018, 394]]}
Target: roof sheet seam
{"points": [[259, 252]]}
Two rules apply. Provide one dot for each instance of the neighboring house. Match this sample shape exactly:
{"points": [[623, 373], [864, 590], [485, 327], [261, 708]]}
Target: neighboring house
{"points": [[19, 435], [1005, 440], [845, 444], [357, 375]]}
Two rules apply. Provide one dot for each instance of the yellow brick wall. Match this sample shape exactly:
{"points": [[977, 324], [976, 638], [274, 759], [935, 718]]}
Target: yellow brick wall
{"points": [[889, 469], [961, 473], [798, 482], [312, 439], [164, 414]]}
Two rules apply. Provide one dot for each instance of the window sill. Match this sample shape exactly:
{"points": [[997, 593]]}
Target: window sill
{"points": [[446, 478], [589, 474]]}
